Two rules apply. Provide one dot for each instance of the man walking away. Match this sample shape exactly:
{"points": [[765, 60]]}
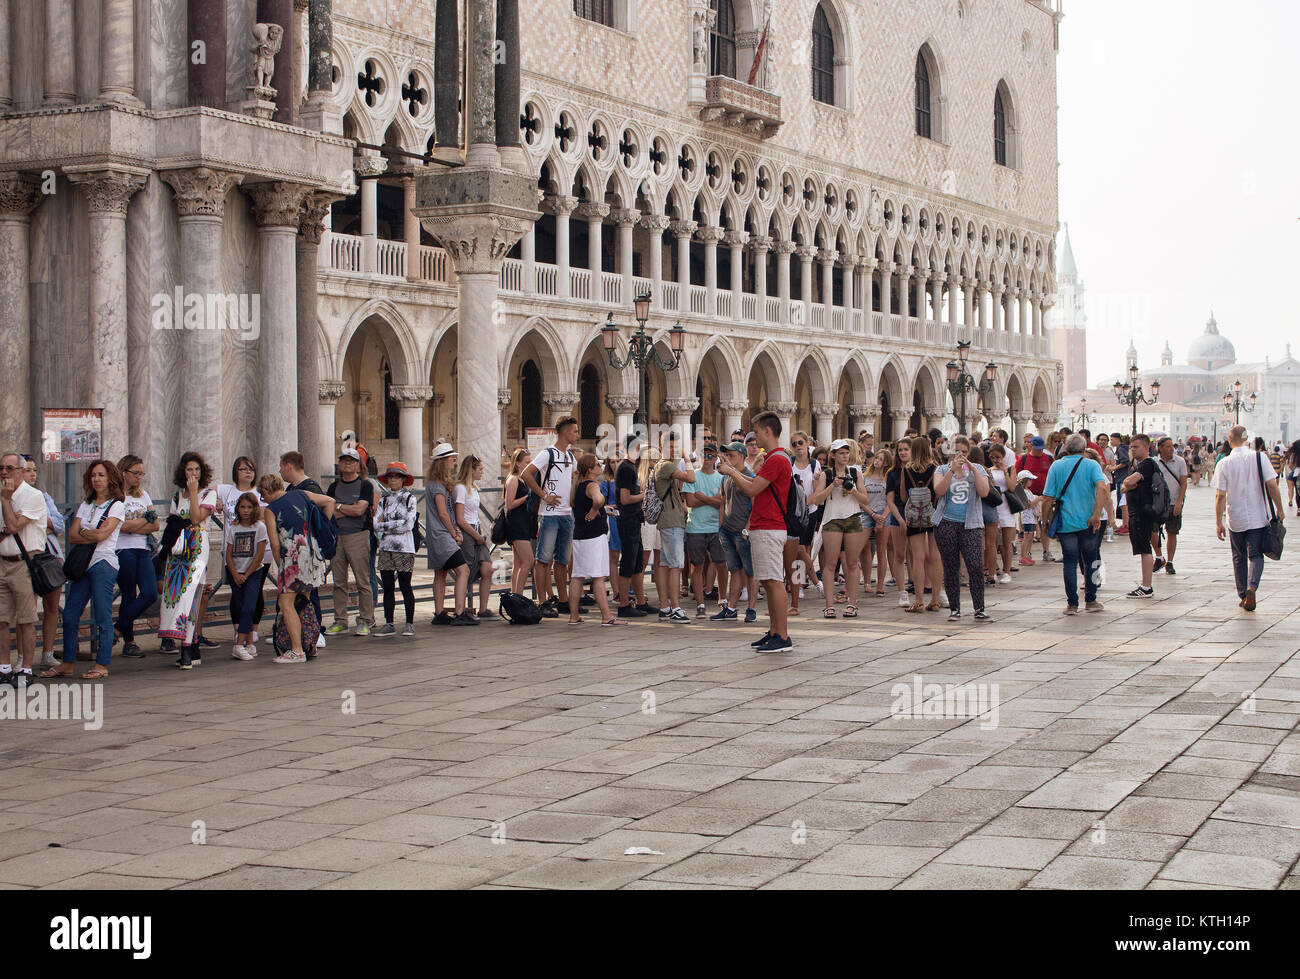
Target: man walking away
{"points": [[1173, 468], [1137, 491], [1077, 486], [1244, 482]]}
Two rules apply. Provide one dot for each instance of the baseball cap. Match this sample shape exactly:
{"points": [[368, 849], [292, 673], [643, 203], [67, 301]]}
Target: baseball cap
{"points": [[350, 454], [840, 444], [735, 447], [1024, 474], [1038, 442]]}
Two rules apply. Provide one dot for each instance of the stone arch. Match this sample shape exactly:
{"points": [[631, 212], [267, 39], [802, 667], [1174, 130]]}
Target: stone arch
{"points": [[765, 363], [1042, 403], [394, 332], [545, 342], [1017, 394], [719, 351]]}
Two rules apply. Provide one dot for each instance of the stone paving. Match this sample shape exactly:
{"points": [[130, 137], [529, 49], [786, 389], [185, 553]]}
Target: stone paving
{"points": [[1151, 745]]}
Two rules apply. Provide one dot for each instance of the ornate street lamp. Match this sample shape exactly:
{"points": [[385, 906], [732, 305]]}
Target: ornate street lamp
{"points": [[1082, 419], [642, 353], [960, 381], [1233, 402], [1133, 394]]}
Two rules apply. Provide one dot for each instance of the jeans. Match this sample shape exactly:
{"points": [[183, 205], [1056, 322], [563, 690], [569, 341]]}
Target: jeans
{"points": [[1080, 551], [554, 539], [244, 600], [1247, 549], [96, 587], [139, 585]]}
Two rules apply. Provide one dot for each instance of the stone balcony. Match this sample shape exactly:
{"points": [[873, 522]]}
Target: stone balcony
{"points": [[739, 106]]}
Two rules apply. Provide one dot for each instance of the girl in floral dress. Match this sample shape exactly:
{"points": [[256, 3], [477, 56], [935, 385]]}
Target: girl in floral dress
{"points": [[187, 565], [295, 551]]}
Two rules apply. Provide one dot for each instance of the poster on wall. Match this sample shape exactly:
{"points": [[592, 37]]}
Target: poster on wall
{"points": [[538, 439], [71, 434]]}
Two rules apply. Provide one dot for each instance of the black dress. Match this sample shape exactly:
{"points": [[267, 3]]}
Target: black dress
{"points": [[520, 522]]}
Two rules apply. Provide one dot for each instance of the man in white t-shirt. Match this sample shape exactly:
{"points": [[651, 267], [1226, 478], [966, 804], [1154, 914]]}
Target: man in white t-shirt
{"points": [[1173, 468], [1244, 483], [550, 478], [22, 509]]}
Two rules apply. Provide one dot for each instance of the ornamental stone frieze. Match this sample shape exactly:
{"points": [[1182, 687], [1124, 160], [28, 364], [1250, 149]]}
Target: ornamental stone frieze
{"points": [[331, 391]]}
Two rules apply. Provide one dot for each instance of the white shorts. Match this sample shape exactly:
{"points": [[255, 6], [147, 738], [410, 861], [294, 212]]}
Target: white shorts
{"points": [[767, 548], [591, 558], [649, 537]]}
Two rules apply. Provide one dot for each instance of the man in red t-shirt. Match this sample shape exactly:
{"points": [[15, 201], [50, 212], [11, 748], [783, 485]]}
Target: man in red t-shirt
{"points": [[769, 490], [1037, 462]]}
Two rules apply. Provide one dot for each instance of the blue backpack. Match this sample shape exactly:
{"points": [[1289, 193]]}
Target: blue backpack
{"points": [[325, 530]]}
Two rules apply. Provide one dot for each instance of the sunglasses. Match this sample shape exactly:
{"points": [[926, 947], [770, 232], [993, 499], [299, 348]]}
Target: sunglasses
{"points": [[798, 444]]}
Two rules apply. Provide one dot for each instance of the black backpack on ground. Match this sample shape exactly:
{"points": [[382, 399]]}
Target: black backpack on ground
{"points": [[519, 609]]}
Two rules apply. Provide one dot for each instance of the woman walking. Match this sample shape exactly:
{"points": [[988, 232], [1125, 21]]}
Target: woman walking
{"points": [[1291, 467], [136, 578], [50, 602], [395, 516], [296, 553], [94, 527], [959, 526], [798, 549], [445, 538], [246, 543], [520, 522], [839, 492], [590, 542], [875, 517], [187, 565], [475, 545]]}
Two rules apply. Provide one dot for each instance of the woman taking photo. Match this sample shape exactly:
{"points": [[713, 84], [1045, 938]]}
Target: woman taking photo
{"points": [[94, 527], [395, 515], [839, 493], [445, 538], [187, 565], [998, 538], [960, 487], [520, 522], [875, 516], [296, 553], [135, 572], [590, 542], [475, 545]]}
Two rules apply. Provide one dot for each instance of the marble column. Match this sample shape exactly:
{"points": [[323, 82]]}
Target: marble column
{"points": [[277, 211], [507, 87], [736, 242], [624, 408], [201, 202], [806, 255], [710, 235], [886, 296], [953, 316], [369, 165], [117, 52], [656, 225], [19, 196], [561, 404], [936, 298], [683, 231], [864, 417], [480, 101], [528, 254], [1019, 419], [679, 414], [594, 215], [311, 225], [848, 267], [361, 409], [901, 418], [625, 220], [411, 399], [784, 410], [968, 294], [318, 112], [996, 308], [1044, 324], [1026, 324], [824, 412], [918, 308], [905, 294], [328, 394], [732, 413], [107, 193], [60, 53], [410, 229], [561, 206], [760, 245], [783, 251], [206, 22], [6, 59], [981, 295], [446, 81], [827, 258]]}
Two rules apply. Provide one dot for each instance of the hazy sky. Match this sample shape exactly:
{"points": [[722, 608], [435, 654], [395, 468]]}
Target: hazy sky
{"points": [[1178, 147]]}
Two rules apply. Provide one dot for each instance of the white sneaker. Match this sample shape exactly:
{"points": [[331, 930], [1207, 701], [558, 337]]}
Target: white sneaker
{"points": [[241, 652], [744, 594], [320, 642], [820, 590], [904, 600], [291, 657], [1004, 579], [943, 600], [254, 642]]}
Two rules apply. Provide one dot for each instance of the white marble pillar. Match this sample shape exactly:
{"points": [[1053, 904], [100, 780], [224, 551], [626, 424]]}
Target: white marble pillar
{"points": [[561, 207], [848, 267], [886, 289], [369, 165], [1026, 324], [824, 413], [711, 235], [1048, 301], [736, 242], [996, 308], [361, 412], [827, 260], [806, 255], [411, 400], [594, 215], [901, 418], [561, 404], [984, 298], [682, 231], [528, 252], [905, 293], [107, 193], [117, 52], [201, 202], [328, 393], [1019, 423], [760, 245], [19, 196], [312, 217], [936, 298], [624, 408], [410, 229], [968, 294], [277, 209], [783, 252], [60, 53], [784, 410], [625, 220], [953, 316], [679, 414], [732, 413], [864, 417], [655, 225], [922, 284]]}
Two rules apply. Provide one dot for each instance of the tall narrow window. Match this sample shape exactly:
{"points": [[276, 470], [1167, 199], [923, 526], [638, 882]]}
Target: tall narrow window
{"points": [[600, 11], [589, 399], [999, 129], [392, 411], [823, 58], [722, 39], [922, 97]]}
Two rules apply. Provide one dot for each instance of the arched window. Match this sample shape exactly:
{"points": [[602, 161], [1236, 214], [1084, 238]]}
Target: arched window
{"points": [[722, 39], [600, 11], [999, 129], [589, 398], [530, 396], [823, 58], [392, 412], [922, 97]]}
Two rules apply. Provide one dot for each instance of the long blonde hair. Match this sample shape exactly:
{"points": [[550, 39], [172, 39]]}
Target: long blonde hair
{"points": [[514, 460], [466, 475], [442, 470], [883, 460]]}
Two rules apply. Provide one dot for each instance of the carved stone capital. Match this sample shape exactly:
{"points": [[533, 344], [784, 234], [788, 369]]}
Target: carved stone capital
{"points": [[900, 415], [503, 397], [760, 243], [682, 406], [201, 191], [711, 234], [20, 193], [736, 239], [278, 203], [368, 164], [622, 404], [785, 247], [560, 205], [411, 395], [865, 412], [806, 253], [656, 224], [1019, 417], [826, 408], [827, 256], [734, 407], [561, 400], [476, 242], [311, 215], [330, 392], [682, 229], [934, 411], [591, 212], [848, 260], [108, 190], [782, 408], [625, 217]]}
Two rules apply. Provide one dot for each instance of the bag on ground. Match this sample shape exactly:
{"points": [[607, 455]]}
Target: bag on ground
{"points": [[519, 609]]}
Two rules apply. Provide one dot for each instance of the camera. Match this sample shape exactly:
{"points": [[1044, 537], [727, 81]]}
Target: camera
{"points": [[847, 482]]}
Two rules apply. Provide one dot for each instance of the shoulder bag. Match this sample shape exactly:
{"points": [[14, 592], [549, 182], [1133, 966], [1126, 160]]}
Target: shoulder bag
{"points": [[1274, 532], [1055, 528], [77, 563], [46, 570]]}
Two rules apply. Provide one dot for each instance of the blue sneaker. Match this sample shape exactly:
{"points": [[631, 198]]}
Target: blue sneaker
{"points": [[760, 642], [751, 615], [723, 614], [775, 644]]}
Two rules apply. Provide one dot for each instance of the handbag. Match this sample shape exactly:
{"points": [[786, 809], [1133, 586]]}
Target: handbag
{"points": [[498, 535], [1017, 502], [1274, 532], [77, 563], [1054, 528], [46, 570]]}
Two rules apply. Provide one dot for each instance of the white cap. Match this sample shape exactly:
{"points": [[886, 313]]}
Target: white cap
{"points": [[840, 444], [1024, 474]]}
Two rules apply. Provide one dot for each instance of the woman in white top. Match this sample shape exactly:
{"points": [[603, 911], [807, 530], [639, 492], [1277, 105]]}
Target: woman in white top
{"points": [[187, 565], [96, 525], [136, 579], [838, 489], [49, 603], [474, 545], [998, 537]]}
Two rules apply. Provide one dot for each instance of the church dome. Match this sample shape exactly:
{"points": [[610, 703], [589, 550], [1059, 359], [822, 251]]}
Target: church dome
{"points": [[1210, 346]]}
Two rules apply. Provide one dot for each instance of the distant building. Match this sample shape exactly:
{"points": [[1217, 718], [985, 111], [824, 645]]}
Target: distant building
{"points": [[1068, 335]]}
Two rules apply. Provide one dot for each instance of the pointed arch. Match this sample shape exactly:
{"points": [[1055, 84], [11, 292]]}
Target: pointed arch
{"points": [[557, 375], [394, 332]]}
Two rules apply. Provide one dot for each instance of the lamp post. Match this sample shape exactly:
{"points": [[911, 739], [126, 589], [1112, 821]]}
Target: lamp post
{"points": [[1082, 419], [1133, 394], [641, 353], [1233, 402], [960, 381]]}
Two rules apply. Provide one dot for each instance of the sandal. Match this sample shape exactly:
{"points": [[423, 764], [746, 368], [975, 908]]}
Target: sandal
{"points": [[96, 672], [615, 622], [828, 612], [918, 607], [793, 611], [932, 607], [56, 671], [851, 612], [576, 621]]}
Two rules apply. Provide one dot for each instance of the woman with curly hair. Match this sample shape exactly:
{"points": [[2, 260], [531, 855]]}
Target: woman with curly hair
{"points": [[181, 600]]}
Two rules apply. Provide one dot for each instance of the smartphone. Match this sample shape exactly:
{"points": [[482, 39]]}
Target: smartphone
{"points": [[611, 511]]}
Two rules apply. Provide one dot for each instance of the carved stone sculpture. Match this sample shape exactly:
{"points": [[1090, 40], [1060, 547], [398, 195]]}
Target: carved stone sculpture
{"points": [[266, 45]]}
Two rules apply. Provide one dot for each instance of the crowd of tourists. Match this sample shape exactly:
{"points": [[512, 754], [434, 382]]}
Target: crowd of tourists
{"points": [[713, 522]]}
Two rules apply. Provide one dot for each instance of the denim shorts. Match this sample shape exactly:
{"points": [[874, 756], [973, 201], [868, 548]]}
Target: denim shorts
{"points": [[554, 537], [735, 547], [672, 547]]}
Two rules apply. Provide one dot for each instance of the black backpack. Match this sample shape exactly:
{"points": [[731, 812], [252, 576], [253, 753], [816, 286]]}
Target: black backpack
{"points": [[795, 511], [519, 609], [1162, 502]]}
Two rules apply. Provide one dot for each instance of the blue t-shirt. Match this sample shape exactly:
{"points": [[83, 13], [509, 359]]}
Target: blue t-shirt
{"points": [[1077, 505], [959, 494], [703, 519]]}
